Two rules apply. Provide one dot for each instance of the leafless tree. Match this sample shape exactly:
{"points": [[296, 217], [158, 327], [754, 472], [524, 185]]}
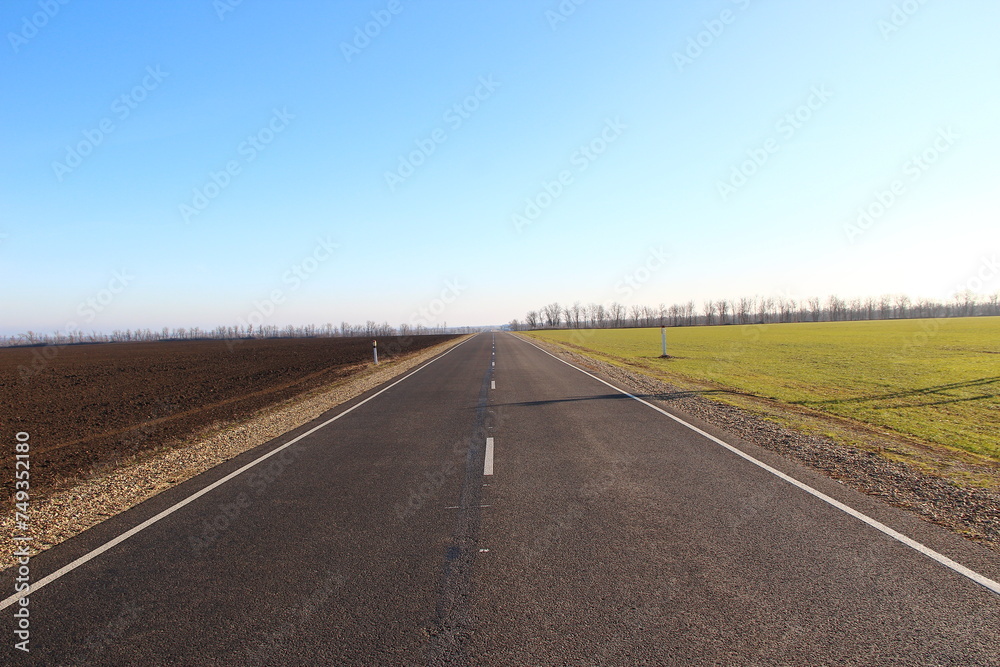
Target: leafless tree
{"points": [[854, 309], [576, 311], [722, 305], [781, 311], [765, 306], [814, 308], [885, 306], [635, 314], [870, 306], [709, 310], [965, 302], [744, 308], [902, 305], [616, 312], [674, 314], [553, 314], [835, 307], [598, 315]]}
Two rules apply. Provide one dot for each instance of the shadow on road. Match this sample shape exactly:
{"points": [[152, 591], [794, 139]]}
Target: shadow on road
{"points": [[667, 396]]}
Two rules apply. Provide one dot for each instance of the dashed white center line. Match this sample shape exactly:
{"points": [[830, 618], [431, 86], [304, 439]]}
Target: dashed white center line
{"points": [[493, 384], [488, 466]]}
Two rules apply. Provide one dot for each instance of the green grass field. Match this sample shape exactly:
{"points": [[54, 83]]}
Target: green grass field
{"points": [[934, 380]]}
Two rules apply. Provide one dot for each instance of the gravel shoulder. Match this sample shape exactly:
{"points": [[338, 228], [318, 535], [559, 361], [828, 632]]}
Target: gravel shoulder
{"points": [[74, 505], [947, 488]]}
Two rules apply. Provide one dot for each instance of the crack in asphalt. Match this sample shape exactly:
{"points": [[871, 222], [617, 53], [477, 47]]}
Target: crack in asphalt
{"points": [[452, 626]]}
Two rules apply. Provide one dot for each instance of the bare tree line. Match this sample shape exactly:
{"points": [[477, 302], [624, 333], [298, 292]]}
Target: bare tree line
{"points": [[754, 310], [370, 329]]}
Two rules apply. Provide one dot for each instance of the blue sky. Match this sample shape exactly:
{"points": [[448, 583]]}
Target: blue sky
{"points": [[190, 163]]}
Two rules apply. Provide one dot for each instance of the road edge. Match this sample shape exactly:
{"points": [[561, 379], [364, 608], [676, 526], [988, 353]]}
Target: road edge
{"points": [[78, 506], [943, 560]]}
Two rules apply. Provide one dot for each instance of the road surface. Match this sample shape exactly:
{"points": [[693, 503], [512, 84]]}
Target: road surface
{"points": [[500, 507]]}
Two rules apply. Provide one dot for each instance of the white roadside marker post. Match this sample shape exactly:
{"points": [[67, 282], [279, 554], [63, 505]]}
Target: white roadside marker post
{"points": [[375, 350], [663, 339]]}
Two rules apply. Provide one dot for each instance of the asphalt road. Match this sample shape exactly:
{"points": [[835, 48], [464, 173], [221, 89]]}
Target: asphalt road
{"points": [[607, 534]]}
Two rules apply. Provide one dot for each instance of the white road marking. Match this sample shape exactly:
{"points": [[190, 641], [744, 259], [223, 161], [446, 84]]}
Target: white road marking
{"points": [[986, 582], [493, 363], [66, 569], [488, 466], [493, 384]]}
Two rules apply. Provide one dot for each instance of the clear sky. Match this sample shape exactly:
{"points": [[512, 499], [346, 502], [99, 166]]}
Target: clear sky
{"points": [[189, 162]]}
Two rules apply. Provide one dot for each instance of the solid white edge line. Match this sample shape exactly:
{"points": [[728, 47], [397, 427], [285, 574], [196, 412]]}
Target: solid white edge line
{"points": [[173, 508], [488, 465], [986, 582]]}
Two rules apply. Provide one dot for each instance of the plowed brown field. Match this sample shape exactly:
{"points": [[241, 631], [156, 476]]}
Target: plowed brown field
{"points": [[88, 406]]}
